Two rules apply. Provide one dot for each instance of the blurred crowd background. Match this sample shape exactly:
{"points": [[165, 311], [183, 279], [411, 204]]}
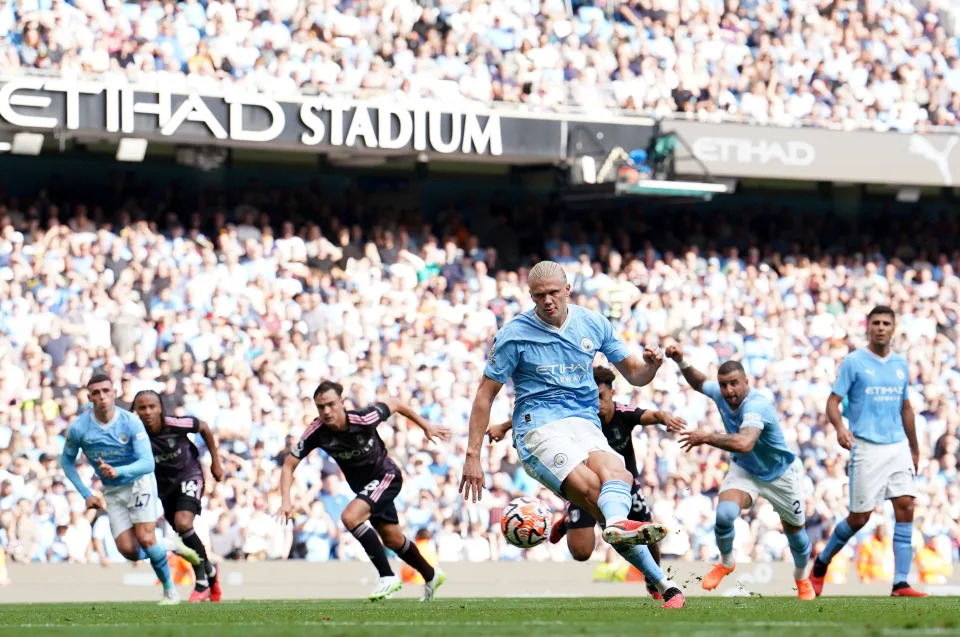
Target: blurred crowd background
{"points": [[235, 304], [875, 64]]}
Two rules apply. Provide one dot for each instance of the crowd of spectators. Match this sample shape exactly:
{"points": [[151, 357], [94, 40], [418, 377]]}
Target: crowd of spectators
{"points": [[878, 64], [236, 320]]}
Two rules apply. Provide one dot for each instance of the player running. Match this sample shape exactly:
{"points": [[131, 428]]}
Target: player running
{"points": [[882, 440], [762, 465], [548, 352], [180, 480], [117, 447], [350, 437], [617, 422]]}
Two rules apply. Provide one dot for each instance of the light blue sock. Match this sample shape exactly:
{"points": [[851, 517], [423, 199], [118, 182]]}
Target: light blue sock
{"points": [[158, 560], [641, 557], [902, 551], [723, 530], [800, 549], [143, 555], [615, 501], [838, 539]]}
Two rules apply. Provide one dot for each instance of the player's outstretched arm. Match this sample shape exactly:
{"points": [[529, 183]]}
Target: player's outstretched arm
{"points": [[68, 461], [665, 418], [910, 428], [211, 441], [694, 376], [432, 431], [472, 482], [742, 442], [844, 437], [290, 464], [639, 371]]}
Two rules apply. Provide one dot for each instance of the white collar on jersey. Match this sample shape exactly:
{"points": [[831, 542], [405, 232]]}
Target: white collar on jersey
{"points": [[104, 425], [554, 328], [877, 357]]}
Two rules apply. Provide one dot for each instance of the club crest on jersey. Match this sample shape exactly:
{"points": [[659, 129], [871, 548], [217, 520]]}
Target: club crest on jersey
{"points": [[900, 374], [559, 460], [586, 344], [123, 438], [171, 443]]}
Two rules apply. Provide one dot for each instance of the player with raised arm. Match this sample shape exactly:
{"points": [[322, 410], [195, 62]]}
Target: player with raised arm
{"points": [[617, 422], [548, 352], [350, 437], [180, 480], [882, 440], [762, 465], [118, 448]]}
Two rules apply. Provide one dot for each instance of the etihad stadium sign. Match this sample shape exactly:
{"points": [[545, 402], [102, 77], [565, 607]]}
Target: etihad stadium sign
{"points": [[308, 123]]}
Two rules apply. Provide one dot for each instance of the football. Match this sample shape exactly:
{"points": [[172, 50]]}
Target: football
{"points": [[526, 522]]}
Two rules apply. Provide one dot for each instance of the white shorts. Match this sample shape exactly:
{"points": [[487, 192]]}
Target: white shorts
{"points": [[551, 452], [131, 504], [785, 493], [878, 473]]}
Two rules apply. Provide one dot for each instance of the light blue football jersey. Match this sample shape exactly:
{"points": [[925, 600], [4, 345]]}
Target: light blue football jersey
{"points": [[875, 389], [770, 456], [551, 367], [122, 443]]}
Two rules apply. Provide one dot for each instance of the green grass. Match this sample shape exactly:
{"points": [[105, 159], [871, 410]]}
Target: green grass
{"points": [[830, 617]]}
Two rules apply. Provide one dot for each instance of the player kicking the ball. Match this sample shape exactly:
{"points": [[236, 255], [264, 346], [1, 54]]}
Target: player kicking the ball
{"points": [[351, 439], [617, 422], [882, 440], [762, 465], [116, 445], [180, 480], [548, 352]]}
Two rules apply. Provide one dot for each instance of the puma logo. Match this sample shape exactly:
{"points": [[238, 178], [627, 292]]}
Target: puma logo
{"points": [[921, 145]]}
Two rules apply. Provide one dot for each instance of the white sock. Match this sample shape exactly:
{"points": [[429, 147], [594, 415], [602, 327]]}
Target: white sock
{"points": [[727, 560], [613, 519], [665, 584], [169, 543], [801, 573]]}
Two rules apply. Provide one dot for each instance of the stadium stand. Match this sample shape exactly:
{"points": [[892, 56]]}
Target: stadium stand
{"points": [[234, 315], [882, 65]]}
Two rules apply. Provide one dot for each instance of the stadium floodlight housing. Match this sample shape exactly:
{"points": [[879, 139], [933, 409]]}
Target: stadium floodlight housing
{"points": [[132, 149], [27, 144]]}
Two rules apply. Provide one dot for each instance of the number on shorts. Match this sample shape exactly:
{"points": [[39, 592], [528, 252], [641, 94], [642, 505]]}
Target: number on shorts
{"points": [[142, 500], [639, 504], [796, 507], [189, 488], [370, 488]]}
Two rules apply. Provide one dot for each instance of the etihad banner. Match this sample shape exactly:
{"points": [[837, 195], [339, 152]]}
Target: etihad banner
{"points": [[813, 154], [318, 124]]}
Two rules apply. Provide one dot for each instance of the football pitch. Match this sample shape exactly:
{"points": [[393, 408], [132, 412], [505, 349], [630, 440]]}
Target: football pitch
{"points": [[833, 616]]}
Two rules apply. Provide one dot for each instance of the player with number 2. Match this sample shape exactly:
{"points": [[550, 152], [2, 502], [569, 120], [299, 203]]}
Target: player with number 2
{"points": [[762, 465]]}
